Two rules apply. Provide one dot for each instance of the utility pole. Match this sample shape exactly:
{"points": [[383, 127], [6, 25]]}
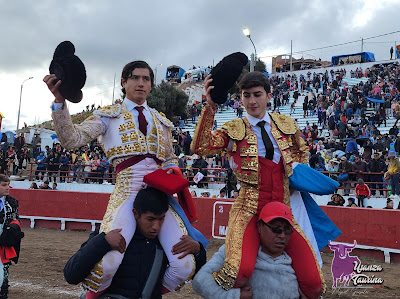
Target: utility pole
{"points": [[291, 56], [252, 62], [362, 44], [115, 74], [20, 98]]}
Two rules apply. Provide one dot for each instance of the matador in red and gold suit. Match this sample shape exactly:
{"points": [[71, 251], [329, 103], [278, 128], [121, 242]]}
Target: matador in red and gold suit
{"points": [[262, 180]]}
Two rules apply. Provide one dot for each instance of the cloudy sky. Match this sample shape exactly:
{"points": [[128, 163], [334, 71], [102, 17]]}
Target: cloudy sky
{"points": [[108, 34]]}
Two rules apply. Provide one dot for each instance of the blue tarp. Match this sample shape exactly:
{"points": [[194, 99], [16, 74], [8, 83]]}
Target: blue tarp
{"points": [[365, 57], [373, 100], [10, 136], [174, 72]]}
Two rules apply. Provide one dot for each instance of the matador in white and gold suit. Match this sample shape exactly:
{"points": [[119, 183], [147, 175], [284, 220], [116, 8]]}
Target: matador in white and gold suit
{"points": [[133, 154]]}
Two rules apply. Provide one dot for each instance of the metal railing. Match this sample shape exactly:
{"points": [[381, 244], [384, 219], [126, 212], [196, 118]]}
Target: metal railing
{"points": [[189, 173]]}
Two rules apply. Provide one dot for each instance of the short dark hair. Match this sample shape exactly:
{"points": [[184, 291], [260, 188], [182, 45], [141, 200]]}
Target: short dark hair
{"points": [[151, 200], [128, 69], [254, 79], [4, 178]]}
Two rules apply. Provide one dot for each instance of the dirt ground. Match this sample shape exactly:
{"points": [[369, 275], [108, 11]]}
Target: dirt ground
{"points": [[44, 252]]}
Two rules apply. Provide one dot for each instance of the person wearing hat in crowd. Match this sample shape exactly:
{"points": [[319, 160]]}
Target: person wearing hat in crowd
{"points": [[333, 166], [37, 148], [362, 191], [393, 174], [36, 139], [273, 276], [351, 202], [177, 148], [181, 161], [262, 148], [336, 200], [376, 166], [137, 141], [141, 272], [19, 142], [379, 145]]}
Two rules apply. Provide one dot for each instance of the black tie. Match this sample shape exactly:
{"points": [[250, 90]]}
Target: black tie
{"points": [[269, 147]]}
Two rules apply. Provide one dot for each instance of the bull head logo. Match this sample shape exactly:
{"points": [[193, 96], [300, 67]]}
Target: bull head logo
{"points": [[343, 264]]}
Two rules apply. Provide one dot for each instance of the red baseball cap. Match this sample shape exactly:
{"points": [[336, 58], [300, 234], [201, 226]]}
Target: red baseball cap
{"points": [[275, 210]]}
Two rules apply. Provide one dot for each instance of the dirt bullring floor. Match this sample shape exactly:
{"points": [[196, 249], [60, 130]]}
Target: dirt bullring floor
{"points": [[44, 252]]}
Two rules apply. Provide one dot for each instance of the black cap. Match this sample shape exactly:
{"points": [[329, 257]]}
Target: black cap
{"points": [[225, 74], [70, 70]]}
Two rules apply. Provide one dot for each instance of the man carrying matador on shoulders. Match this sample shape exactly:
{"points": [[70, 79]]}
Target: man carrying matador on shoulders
{"points": [[137, 141], [267, 155]]}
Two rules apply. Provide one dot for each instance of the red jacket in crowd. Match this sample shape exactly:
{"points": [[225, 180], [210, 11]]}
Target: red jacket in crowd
{"points": [[363, 190]]}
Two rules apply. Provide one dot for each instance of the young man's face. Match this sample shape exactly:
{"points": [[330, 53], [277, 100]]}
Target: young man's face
{"points": [[272, 243], [255, 101], [138, 85], [149, 223], [4, 188]]}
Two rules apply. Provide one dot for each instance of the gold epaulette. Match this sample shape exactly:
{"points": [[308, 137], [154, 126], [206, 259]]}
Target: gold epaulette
{"points": [[235, 128], [162, 118], [109, 111], [284, 123]]}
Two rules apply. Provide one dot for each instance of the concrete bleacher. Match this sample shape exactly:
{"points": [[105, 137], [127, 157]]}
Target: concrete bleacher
{"points": [[228, 113], [221, 117]]}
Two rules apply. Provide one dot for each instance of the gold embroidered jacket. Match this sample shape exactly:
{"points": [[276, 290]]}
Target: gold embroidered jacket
{"points": [[122, 138], [245, 150]]}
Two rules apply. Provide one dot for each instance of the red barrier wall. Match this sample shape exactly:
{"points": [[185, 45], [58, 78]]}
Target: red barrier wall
{"points": [[63, 204], [371, 227]]}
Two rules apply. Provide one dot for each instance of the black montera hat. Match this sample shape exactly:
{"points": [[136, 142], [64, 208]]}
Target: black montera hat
{"points": [[225, 74], [70, 70]]}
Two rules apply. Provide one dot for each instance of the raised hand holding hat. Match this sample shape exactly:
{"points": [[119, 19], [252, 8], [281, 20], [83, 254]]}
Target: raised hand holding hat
{"points": [[70, 70], [224, 75]]}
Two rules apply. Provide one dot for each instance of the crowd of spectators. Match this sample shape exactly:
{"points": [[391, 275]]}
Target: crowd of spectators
{"points": [[87, 164]]}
